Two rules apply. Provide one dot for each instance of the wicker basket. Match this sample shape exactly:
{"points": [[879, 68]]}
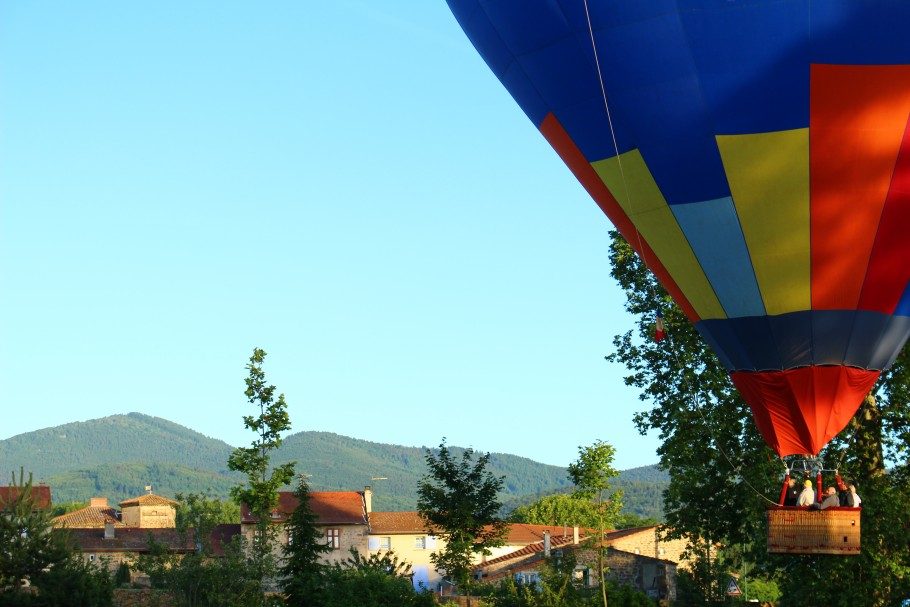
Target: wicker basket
{"points": [[806, 531]]}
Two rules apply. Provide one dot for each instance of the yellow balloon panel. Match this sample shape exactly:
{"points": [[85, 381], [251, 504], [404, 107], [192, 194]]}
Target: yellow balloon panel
{"points": [[631, 183], [768, 175]]}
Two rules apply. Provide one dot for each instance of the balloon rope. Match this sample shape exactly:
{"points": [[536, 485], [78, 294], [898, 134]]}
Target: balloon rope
{"points": [[641, 249], [603, 92], [699, 392]]}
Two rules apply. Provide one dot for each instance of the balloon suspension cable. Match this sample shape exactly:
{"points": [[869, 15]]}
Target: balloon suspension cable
{"points": [[603, 93], [641, 249], [737, 469]]}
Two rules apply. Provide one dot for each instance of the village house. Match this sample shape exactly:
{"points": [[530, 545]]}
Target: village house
{"points": [[634, 557], [104, 535], [647, 541], [41, 494], [96, 515], [341, 517], [405, 534], [113, 545]]}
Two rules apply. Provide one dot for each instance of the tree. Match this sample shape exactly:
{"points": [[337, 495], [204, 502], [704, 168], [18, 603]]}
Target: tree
{"points": [[458, 500], [302, 574], [723, 476], [199, 579], [260, 493], [591, 473], [28, 544], [31, 550], [366, 585], [559, 509]]}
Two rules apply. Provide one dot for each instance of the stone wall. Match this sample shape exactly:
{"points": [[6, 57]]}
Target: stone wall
{"points": [[149, 517], [652, 576], [143, 597], [647, 542], [352, 536]]}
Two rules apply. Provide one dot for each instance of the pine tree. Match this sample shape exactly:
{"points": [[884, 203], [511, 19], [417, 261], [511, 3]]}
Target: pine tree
{"points": [[303, 570], [28, 544]]}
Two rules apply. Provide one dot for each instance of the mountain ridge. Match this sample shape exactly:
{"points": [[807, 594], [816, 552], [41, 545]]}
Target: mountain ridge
{"points": [[116, 456]]}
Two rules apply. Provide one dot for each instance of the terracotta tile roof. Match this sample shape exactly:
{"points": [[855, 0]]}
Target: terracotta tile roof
{"points": [[90, 517], [40, 493], [222, 535], [129, 539], [524, 533], [330, 508], [530, 549], [391, 523], [148, 499]]}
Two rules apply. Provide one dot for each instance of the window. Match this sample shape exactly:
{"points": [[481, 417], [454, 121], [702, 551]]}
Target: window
{"points": [[333, 538], [420, 543], [385, 543]]}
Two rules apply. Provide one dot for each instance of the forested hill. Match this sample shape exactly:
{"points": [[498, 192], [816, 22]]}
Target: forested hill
{"points": [[339, 462], [111, 440], [117, 456]]}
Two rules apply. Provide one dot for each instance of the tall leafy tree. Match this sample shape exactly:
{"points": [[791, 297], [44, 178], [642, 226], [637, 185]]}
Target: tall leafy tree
{"points": [[458, 499], [260, 493], [303, 572], [723, 476], [592, 473], [559, 509]]}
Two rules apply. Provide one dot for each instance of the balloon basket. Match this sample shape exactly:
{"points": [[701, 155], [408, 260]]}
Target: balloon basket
{"points": [[794, 530]]}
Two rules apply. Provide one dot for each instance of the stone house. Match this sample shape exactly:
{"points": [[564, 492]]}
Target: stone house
{"points": [[654, 576], [113, 545], [647, 541], [149, 511], [341, 516], [104, 535]]}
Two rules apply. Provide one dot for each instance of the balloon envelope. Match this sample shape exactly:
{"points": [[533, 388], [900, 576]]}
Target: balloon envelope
{"points": [[756, 155]]}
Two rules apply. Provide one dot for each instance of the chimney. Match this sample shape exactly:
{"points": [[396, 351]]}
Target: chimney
{"points": [[575, 535], [368, 498], [109, 531], [98, 502], [546, 544]]}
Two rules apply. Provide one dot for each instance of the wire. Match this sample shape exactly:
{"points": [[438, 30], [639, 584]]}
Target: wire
{"points": [[641, 249]]}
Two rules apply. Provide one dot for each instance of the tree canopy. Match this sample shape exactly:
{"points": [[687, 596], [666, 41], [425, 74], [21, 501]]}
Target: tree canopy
{"points": [[458, 500], [723, 476]]}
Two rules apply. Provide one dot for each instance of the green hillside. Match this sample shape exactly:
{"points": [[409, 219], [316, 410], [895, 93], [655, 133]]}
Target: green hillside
{"points": [[112, 440], [338, 462], [118, 456], [118, 482]]}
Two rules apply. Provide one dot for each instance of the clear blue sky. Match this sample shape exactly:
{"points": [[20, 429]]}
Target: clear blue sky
{"points": [[344, 184]]}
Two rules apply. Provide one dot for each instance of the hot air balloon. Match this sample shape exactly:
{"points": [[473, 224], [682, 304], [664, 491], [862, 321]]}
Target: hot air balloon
{"points": [[756, 155]]}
